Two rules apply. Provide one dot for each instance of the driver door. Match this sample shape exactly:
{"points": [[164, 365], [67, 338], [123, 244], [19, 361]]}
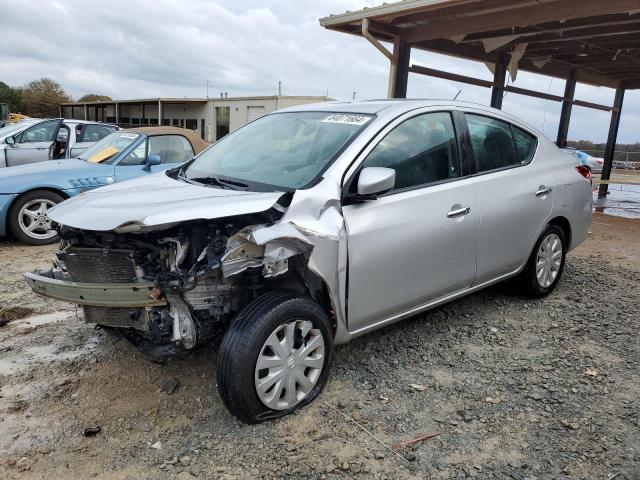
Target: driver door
{"points": [[35, 144], [416, 243]]}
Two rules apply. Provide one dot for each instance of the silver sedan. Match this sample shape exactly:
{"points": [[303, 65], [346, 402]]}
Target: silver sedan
{"points": [[312, 226]]}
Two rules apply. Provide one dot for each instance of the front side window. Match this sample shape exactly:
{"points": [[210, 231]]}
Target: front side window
{"points": [[42, 132], [137, 156], [493, 144], [279, 151], [421, 150], [171, 148]]}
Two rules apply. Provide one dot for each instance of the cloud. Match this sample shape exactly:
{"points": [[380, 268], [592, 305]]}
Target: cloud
{"points": [[171, 48]]}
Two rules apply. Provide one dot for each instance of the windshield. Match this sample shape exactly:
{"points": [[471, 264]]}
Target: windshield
{"points": [[279, 151], [107, 149]]}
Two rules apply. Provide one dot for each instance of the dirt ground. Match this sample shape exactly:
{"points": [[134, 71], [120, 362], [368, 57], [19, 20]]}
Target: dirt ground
{"points": [[514, 388]]}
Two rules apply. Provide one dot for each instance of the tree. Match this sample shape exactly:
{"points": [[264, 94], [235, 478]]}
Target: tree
{"points": [[94, 97], [43, 97], [12, 96]]}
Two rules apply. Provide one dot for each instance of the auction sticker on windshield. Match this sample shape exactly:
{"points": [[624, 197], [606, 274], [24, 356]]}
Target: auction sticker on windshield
{"points": [[347, 118]]}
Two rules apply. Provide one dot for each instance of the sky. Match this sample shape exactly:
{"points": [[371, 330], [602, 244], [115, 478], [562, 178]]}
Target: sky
{"points": [[171, 48]]}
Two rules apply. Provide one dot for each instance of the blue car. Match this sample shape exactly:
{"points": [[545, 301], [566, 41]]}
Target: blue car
{"points": [[27, 192]]}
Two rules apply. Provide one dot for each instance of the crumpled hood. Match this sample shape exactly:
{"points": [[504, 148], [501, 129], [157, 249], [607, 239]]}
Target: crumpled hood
{"points": [[155, 200]]}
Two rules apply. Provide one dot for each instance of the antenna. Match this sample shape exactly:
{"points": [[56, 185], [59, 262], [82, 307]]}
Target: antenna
{"points": [[459, 92], [207, 88], [354, 96]]}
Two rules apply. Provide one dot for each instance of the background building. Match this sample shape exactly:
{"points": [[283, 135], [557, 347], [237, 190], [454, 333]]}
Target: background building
{"points": [[212, 117]]}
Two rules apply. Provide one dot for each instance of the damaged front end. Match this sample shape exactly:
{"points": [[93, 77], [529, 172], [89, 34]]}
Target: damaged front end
{"points": [[170, 289]]}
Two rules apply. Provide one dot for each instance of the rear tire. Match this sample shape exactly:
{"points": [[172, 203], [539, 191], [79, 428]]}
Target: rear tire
{"points": [[546, 263], [253, 377], [28, 220]]}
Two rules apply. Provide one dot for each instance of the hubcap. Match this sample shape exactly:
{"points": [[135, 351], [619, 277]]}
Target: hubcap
{"points": [[548, 260], [289, 364], [34, 221]]}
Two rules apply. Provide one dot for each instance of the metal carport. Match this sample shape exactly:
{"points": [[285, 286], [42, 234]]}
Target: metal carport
{"points": [[596, 42]]}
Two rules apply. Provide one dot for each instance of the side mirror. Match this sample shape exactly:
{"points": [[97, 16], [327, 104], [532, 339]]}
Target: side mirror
{"points": [[152, 160], [376, 180], [9, 140]]}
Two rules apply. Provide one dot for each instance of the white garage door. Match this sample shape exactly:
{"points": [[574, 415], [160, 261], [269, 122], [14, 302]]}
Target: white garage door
{"points": [[254, 112]]}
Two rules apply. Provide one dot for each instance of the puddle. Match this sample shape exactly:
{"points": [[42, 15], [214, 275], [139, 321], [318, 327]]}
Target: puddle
{"points": [[622, 201]]}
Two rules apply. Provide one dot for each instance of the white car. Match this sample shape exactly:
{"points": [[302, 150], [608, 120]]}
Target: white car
{"points": [[52, 139], [314, 225]]}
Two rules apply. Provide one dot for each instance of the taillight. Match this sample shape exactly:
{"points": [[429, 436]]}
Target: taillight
{"points": [[585, 172]]}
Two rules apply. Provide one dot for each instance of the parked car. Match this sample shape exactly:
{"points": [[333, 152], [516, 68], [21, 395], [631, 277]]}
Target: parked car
{"points": [[27, 192], [51, 140], [312, 226]]}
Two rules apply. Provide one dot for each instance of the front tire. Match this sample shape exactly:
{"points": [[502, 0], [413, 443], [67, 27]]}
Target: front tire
{"points": [[274, 357], [546, 263], [28, 219]]}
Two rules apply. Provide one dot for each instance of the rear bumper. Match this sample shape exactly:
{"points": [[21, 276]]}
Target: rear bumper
{"points": [[136, 294], [5, 203]]}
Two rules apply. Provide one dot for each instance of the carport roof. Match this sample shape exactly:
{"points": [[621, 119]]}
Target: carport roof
{"points": [[599, 40]]}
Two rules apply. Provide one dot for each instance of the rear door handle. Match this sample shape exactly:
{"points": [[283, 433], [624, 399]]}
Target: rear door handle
{"points": [[543, 190], [459, 212]]}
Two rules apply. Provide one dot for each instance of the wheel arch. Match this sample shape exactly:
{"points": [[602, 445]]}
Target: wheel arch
{"points": [[565, 225]]}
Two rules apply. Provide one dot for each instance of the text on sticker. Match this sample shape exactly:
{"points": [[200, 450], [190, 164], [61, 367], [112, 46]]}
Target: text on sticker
{"points": [[348, 118]]}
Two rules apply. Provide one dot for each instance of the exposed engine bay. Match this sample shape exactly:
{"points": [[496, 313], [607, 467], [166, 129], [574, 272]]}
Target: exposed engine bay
{"points": [[204, 272]]}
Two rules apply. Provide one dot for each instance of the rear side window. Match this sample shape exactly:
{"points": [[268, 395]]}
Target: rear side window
{"points": [[42, 132], [497, 144], [93, 133], [525, 144], [171, 148], [421, 150]]}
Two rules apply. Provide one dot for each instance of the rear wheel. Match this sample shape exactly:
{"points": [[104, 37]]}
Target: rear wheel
{"points": [[28, 217], [274, 357], [546, 263]]}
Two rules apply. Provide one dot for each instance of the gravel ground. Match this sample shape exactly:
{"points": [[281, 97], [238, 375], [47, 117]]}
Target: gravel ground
{"points": [[513, 388]]}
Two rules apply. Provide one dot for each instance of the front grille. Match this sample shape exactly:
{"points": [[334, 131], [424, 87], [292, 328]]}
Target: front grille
{"points": [[95, 265]]}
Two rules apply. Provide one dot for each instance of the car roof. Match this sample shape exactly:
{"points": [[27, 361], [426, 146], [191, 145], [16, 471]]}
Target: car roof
{"points": [[398, 106], [194, 138]]}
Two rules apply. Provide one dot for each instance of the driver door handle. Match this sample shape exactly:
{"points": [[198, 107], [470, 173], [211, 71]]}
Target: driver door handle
{"points": [[459, 212], [543, 190]]}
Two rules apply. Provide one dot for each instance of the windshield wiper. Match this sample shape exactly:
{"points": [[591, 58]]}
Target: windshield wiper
{"points": [[221, 182]]}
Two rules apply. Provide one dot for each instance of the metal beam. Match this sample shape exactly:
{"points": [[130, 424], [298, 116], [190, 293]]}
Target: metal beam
{"points": [[611, 141], [160, 112], [454, 77], [117, 113], [499, 74], [565, 114], [399, 69], [86, 112]]}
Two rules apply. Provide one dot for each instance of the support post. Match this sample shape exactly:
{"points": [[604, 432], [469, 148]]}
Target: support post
{"points": [[399, 73], [142, 122], [117, 113], [160, 112], [60, 110], [86, 112], [73, 112], [499, 74], [565, 115], [611, 141]]}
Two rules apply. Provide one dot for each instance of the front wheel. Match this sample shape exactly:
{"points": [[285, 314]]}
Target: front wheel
{"points": [[274, 357], [546, 263], [28, 217]]}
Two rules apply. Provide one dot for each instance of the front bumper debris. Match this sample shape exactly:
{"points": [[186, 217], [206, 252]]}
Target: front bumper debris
{"points": [[136, 294]]}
